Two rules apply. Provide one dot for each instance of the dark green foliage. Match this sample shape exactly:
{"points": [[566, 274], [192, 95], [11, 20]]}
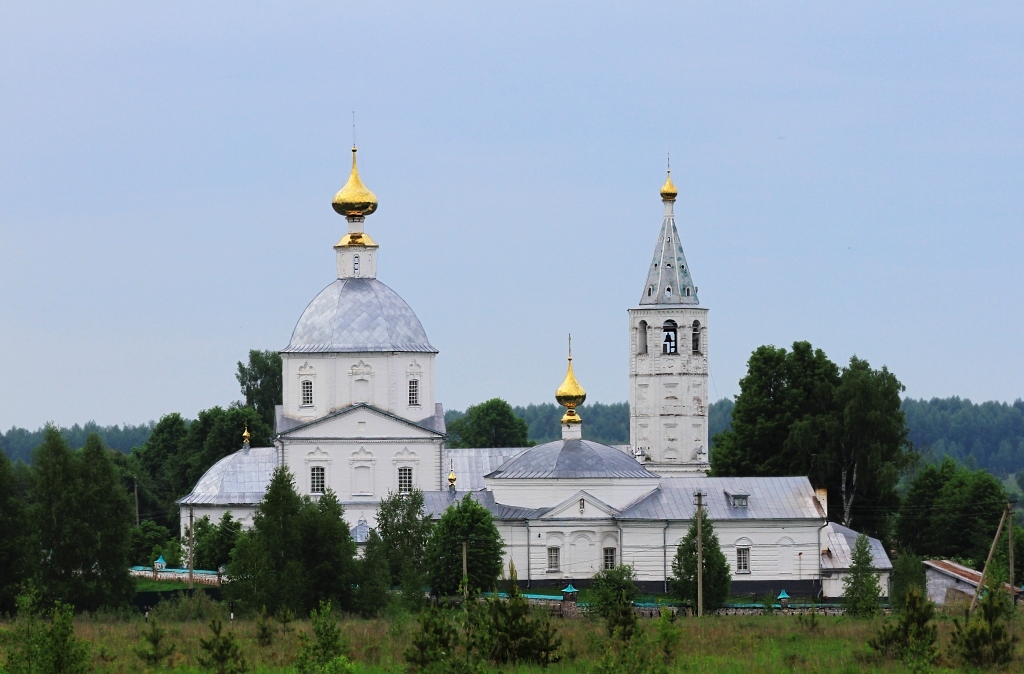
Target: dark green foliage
{"points": [[261, 383], [373, 594], [488, 424], [404, 531], [516, 633], [221, 652], [326, 645], [155, 651], [717, 577], [632, 656], [912, 636], [35, 647], [411, 586], [19, 443], [145, 538], [464, 520], [298, 553], [605, 423], [861, 591], [264, 628], [16, 544], [781, 388], [950, 511], [214, 542], [907, 574], [719, 418], [988, 435], [437, 640], [982, 639], [667, 635], [797, 414], [82, 518], [611, 598]]}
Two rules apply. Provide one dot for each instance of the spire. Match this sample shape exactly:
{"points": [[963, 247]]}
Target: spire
{"points": [[668, 279], [570, 395]]}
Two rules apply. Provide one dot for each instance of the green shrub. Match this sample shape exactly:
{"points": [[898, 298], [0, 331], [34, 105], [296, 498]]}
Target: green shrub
{"points": [[326, 645], [37, 648], [982, 639], [221, 652], [156, 650], [912, 636]]}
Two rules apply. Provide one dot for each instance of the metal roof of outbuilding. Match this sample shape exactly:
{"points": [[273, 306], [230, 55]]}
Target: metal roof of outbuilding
{"points": [[769, 498]]}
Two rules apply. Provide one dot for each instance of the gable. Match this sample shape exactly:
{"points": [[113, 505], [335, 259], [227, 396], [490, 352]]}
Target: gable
{"points": [[593, 508], [360, 421]]}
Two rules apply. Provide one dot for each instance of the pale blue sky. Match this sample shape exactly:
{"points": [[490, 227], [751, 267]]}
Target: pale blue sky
{"points": [[849, 174]]}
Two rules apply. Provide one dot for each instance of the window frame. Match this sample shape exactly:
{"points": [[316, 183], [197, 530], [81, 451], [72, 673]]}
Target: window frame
{"points": [[743, 559], [554, 552], [605, 558], [414, 393], [405, 480], [306, 387], [317, 478], [355, 265], [641, 338], [695, 340]]}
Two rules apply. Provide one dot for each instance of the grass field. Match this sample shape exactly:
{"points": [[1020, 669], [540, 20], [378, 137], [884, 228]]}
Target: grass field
{"points": [[719, 644]]}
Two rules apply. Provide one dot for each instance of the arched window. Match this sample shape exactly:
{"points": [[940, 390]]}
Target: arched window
{"points": [[668, 339], [414, 392], [668, 291], [695, 341], [307, 393], [641, 338], [404, 480], [355, 265], [650, 290], [317, 479], [687, 292]]}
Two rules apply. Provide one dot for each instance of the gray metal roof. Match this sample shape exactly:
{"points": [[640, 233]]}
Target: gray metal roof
{"points": [[840, 541], [436, 502], [237, 479], [769, 498], [668, 277], [470, 465], [566, 459], [358, 315]]}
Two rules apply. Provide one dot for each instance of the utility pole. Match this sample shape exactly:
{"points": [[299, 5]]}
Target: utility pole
{"points": [[700, 554], [465, 570], [136, 500], [191, 545], [984, 570], [1013, 589]]}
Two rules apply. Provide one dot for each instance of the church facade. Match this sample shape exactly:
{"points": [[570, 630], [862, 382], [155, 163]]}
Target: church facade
{"points": [[359, 417]]}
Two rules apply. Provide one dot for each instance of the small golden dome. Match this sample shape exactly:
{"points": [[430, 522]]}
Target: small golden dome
{"points": [[451, 479], [668, 190], [354, 199], [571, 395], [245, 434]]}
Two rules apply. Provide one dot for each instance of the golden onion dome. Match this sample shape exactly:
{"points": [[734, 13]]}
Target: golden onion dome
{"points": [[571, 395], [354, 199], [245, 434], [451, 479], [668, 190]]}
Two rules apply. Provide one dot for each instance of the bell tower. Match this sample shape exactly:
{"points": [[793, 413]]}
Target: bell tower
{"points": [[668, 360]]}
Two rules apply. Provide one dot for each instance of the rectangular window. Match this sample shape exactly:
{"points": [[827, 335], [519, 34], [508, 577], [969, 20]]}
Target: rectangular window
{"points": [[553, 559], [414, 392], [742, 560], [307, 393], [317, 479], [609, 558], [404, 480]]}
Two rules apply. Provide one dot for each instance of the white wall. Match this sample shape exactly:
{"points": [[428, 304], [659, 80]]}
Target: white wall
{"points": [[342, 379]]}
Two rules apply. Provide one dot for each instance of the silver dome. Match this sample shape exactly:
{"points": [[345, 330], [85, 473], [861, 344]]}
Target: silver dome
{"points": [[237, 479], [355, 315]]}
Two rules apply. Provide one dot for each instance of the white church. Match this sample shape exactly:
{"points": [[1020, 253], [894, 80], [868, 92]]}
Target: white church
{"points": [[359, 417]]}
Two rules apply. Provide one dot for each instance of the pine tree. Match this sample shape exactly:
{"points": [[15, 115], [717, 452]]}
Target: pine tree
{"points": [[156, 651], [982, 639], [612, 592], [221, 652], [15, 542], [717, 578], [861, 591], [913, 635], [516, 633]]}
